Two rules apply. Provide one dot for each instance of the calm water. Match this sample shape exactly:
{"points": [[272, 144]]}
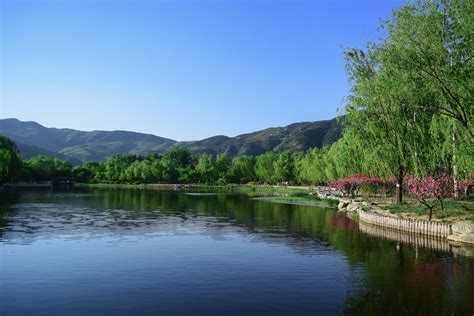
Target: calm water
{"points": [[165, 253]]}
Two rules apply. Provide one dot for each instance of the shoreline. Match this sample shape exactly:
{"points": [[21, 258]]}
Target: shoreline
{"points": [[458, 232], [304, 203], [253, 190]]}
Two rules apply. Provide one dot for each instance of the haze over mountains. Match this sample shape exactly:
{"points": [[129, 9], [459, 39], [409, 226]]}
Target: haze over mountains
{"points": [[79, 146]]}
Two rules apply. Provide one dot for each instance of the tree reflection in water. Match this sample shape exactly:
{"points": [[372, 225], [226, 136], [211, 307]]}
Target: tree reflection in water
{"points": [[389, 273]]}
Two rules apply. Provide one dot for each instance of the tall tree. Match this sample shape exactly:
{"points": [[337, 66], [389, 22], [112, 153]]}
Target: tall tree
{"points": [[285, 167], [223, 164], [432, 42], [380, 110], [9, 159], [175, 163], [242, 169], [265, 167], [46, 168], [206, 170]]}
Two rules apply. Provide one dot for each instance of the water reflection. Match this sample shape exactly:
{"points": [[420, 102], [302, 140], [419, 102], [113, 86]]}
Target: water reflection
{"points": [[386, 271]]}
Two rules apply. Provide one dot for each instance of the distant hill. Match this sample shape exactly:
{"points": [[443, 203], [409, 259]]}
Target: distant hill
{"points": [[294, 137], [76, 146], [29, 151], [95, 145]]}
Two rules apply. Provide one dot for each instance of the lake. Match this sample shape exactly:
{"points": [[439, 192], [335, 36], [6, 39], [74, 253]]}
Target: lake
{"points": [[128, 252]]}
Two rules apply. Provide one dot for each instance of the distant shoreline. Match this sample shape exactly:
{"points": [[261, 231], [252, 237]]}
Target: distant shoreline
{"points": [[294, 195], [258, 189], [282, 200]]}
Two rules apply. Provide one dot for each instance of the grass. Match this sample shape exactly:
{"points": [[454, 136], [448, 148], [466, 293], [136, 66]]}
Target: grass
{"points": [[261, 190], [406, 208], [305, 197], [462, 209], [298, 197], [252, 190]]}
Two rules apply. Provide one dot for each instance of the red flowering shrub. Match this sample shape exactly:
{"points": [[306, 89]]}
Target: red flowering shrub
{"points": [[353, 184]]}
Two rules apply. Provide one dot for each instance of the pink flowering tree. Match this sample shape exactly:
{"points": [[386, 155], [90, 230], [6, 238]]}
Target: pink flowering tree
{"points": [[431, 191], [352, 184], [427, 191]]}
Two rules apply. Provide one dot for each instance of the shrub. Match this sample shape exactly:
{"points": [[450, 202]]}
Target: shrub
{"points": [[360, 183]]}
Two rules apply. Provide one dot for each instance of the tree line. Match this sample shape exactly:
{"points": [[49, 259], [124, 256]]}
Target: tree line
{"points": [[177, 165], [39, 168]]}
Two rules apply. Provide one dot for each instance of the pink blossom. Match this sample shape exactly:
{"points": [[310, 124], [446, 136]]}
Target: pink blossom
{"points": [[432, 190], [424, 188], [351, 183]]}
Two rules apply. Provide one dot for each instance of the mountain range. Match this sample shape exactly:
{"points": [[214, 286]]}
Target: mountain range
{"points": [[78, 146]]}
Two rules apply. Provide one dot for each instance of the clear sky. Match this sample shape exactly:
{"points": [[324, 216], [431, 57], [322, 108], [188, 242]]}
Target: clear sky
{"points": [[179, 69]]}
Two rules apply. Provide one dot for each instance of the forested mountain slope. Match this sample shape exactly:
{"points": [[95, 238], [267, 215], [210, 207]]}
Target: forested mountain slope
{"points": [[78, 146]]}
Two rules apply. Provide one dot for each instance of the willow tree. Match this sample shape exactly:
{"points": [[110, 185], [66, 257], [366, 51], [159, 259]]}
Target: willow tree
{"points": [[380, 112], [265, 167], [285, 167], [206, 169], [346, 156], [9, 159], [453, 150], [433, 41], [431, 44], [311, 166]]}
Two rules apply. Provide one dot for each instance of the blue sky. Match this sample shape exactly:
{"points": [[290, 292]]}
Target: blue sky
{"points": [[179, 69]]}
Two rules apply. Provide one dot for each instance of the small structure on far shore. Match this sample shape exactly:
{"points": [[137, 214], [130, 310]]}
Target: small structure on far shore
{"points": [[56, 182]]}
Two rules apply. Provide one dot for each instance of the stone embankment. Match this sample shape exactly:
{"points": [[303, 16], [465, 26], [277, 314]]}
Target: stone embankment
{"points": [[458, 232], [462, 232], [416, 240], [416, 226]]}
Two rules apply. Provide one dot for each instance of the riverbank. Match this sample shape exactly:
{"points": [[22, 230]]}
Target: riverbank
{"points": [[311, 200], [253, 190], [457, 231]]}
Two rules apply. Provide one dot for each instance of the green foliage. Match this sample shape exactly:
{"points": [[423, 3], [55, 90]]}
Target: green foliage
{"points": [[174, 163], [345, 157], [310, 168], [9, 159], [265, 167], [431, 43], [44, 168], [206, 169], [285, 167], [87, 172], [223, 164], [410, 106], [242, 169]]}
